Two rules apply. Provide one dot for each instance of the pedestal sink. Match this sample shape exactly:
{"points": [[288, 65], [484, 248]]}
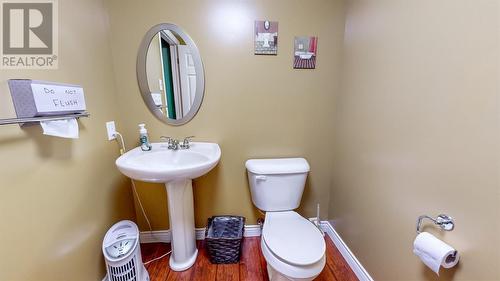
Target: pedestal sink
{"points": [[176, 169]]}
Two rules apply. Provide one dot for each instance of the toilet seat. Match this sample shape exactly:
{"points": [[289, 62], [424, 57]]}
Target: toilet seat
{"points": [[292, 245], [292, 272], [293, 238]]}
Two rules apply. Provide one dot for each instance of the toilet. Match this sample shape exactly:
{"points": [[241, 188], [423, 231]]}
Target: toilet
{"points": [[293, 247]]}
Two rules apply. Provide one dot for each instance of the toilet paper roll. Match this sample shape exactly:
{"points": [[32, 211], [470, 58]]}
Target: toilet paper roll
{"points": [[434, 253], [67, 128]]}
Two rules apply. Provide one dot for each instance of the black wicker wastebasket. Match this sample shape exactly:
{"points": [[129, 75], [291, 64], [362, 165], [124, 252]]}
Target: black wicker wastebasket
{"points": [[223, 237]]}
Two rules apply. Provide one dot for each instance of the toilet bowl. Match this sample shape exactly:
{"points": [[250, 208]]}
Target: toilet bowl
{"points": [[293, 247]]}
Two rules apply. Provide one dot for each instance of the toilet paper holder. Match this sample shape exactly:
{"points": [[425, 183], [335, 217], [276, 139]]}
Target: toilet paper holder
{"points": [[444, 221]]}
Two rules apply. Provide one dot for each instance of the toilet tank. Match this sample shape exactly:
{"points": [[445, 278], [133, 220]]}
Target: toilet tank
{"points": [[277, 184]]}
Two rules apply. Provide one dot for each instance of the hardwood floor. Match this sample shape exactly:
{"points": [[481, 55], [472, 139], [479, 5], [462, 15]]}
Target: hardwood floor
{"points": [[252, 266]]}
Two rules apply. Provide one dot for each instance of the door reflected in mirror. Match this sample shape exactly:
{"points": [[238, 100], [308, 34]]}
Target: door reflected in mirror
{"points": [[170, 74]]}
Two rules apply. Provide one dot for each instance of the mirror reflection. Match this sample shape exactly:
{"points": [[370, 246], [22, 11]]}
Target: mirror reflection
{"points": [[171, 74]]}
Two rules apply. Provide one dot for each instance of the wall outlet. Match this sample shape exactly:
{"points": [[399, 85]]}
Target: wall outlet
{"points": [[110, 127]]}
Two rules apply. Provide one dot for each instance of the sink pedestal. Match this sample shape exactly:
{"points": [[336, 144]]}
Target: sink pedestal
{"points": [[181, 214]]}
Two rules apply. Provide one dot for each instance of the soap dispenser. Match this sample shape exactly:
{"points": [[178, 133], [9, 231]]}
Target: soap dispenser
{"points": [[143, 138]]}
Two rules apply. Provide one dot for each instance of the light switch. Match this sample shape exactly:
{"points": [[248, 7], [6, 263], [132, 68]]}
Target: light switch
{"points": [[160, 84]]}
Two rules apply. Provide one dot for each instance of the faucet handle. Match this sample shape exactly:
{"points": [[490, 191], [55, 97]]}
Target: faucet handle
{"points": [[185, 142], [167, 139], [170, 141]]}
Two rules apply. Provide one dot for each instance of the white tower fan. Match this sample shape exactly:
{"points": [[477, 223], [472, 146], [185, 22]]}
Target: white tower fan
{"points": [[122, 253]]}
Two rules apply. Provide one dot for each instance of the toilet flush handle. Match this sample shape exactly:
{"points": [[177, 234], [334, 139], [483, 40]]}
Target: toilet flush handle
{"points": [[260, 178]]}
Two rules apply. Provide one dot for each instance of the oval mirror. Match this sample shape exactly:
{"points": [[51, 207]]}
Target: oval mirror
{"points": [[170, 74]]}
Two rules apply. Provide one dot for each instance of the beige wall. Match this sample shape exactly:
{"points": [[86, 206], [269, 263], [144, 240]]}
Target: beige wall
{"points": [[254, 106], [417, 132], [60, 196]]}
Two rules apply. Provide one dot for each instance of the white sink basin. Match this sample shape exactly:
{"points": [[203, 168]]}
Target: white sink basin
{"points": [[162, 165], [176, 169]]}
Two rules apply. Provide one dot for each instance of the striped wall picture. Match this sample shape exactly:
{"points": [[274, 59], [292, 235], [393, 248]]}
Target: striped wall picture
{"points": [[304, 63], [305, 48]]}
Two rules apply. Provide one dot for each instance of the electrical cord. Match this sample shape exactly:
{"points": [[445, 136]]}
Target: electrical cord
{"points": [[122, 151], [142, 208], [149, 224], [121, 144], [160, 257]]}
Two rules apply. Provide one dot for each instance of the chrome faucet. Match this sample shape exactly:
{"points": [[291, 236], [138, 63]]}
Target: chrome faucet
{"points": [[171, 142], [175, 144], [185, 143]]}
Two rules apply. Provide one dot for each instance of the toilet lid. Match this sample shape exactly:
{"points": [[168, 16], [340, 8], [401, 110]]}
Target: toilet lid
{"points": [[293, 238]]}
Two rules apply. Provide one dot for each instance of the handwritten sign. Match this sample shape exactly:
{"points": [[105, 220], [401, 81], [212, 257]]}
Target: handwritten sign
{"points": [[56, 98]]}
